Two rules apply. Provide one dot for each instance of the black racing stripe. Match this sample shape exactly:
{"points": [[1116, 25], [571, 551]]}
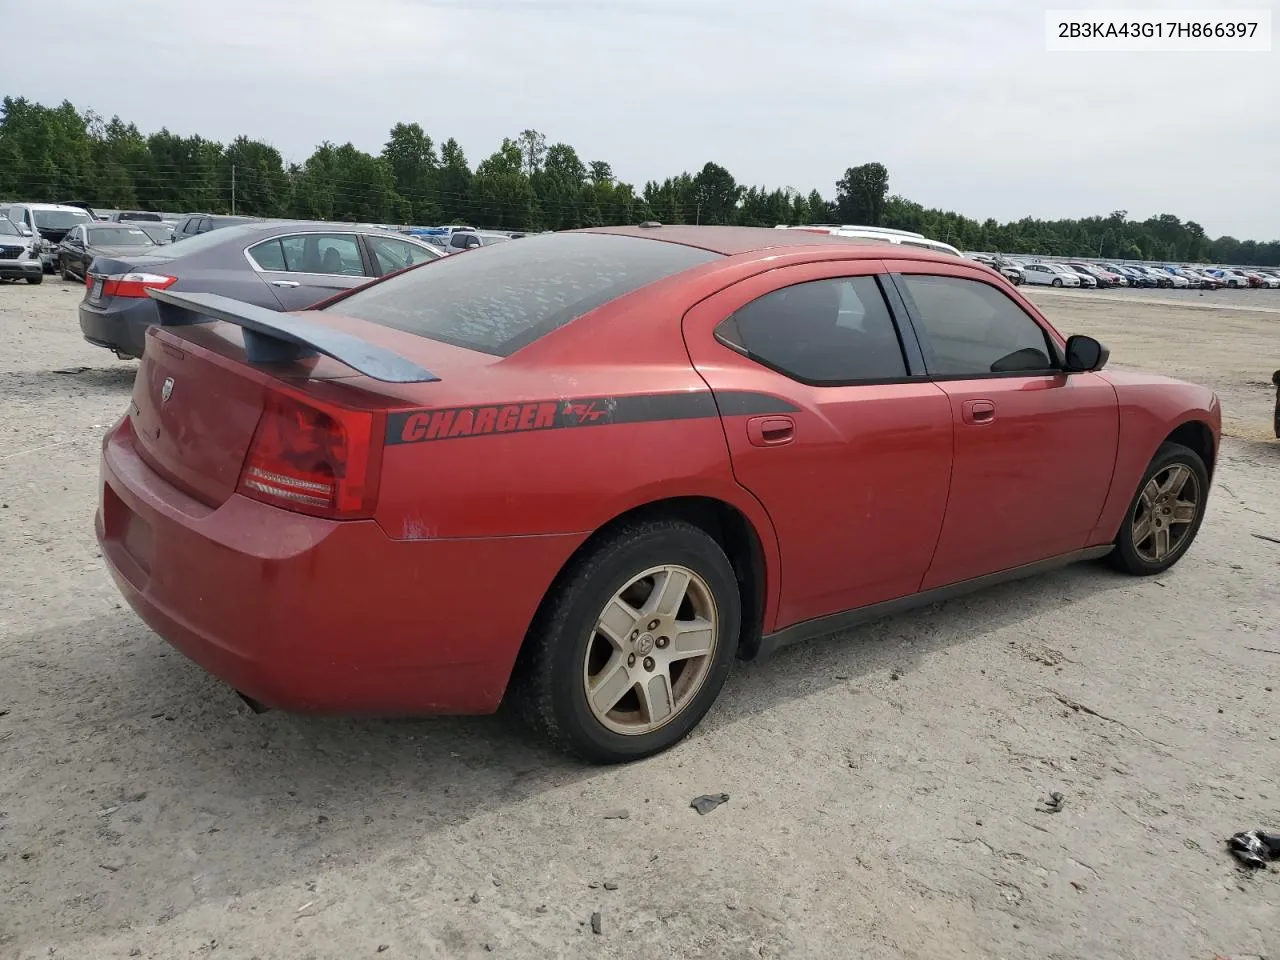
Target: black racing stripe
{"points": [[741, 403], [457, 423]]}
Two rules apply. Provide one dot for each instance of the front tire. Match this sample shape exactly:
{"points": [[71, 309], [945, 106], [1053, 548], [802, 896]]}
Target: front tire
{"points": [[1164, 515], [1057, 281], [633, 645], [38, 278]]}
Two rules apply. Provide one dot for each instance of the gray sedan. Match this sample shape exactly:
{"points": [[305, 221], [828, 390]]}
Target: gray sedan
{"points": [[280, 265]]}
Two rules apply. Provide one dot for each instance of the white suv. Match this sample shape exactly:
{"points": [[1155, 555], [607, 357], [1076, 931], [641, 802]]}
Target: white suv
{"points": [[47, 224]]}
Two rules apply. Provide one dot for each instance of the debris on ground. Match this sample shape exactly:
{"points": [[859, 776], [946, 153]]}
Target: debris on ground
{"points": [[705, 804], [618, 815], [611, 885], [383, 947], [1054, 804], [475, 898], [596, 923], [72, 370], [1263, 536], [1255, 848]]}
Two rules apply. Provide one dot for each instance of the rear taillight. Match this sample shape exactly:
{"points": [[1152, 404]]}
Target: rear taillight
{"points": [[314, 458], [134, 284]]}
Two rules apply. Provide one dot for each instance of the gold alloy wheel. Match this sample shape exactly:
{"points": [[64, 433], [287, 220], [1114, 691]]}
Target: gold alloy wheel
{"points": [[651, 650], [1165, 512]]}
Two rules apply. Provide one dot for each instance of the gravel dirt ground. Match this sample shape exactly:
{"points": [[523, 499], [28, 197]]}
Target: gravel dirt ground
{"points": [[883, 784]]}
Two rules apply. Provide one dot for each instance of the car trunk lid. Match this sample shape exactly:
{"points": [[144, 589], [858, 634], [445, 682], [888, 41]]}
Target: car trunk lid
{"points": [[202, 387]]}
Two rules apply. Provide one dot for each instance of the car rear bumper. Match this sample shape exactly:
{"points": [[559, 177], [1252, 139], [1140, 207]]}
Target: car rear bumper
{"points": [[119, 324], [11, 269], [320, 616]]}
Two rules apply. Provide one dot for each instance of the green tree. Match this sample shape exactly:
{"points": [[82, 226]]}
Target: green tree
{"points": [[861, 192]]}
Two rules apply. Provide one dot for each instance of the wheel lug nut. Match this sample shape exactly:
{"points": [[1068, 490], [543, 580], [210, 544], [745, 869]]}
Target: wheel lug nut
{"points": [[635, 634], [631, 660], [661, 643], [653, 624], [648, 663]]}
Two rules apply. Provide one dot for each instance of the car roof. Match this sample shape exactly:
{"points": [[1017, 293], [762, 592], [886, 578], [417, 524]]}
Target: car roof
{"points": [[49, 206], [731, 241]]}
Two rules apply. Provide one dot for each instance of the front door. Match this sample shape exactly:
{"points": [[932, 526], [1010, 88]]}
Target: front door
{"points": [[852, 456], [1034, 446]]}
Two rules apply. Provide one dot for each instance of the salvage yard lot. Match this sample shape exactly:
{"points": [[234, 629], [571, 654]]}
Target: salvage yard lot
{"points": [[883, 784]]}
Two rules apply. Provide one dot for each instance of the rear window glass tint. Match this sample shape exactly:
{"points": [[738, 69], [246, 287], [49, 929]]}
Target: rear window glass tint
{"points": [[498, 299]]}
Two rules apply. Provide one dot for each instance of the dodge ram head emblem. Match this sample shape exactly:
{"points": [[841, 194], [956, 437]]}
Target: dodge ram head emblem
{"points": [[167, 390]]}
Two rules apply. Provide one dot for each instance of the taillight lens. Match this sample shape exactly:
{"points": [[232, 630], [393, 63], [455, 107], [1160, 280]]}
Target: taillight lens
{"points": [[135, 284], [314, 458]]}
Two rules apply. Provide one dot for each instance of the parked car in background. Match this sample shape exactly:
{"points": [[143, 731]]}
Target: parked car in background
{"points": [[688, 413], [83, 243], [1133, 277], [1011, 271], [1103, 278], [121, 216], [87, 208], [462, 240], [1256, 279], [194, 224], [279, 265], [1047, 274], [1271, 275], [1087, 279], [19, 258], [1231, 279], [48, 223], [158, 232], [1207, 280]]}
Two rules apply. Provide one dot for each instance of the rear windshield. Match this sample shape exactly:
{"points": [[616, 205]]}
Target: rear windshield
{"points": [[500, 298], [119, 237]]}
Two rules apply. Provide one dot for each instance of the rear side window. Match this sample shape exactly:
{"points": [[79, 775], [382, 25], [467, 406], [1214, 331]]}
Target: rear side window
{"points": [[973, 329], [268, 255], [824, 332], [501, 298]]}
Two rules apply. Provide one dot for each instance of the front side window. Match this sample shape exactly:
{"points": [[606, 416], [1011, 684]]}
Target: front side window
{"points": [[973, 329], [824, 332]]}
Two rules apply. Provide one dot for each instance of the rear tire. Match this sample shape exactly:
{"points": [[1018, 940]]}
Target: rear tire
{"points": [[1165, 513], [38, 278], [569, 664]]}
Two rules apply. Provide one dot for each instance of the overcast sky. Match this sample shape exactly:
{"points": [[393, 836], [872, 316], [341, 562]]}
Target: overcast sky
{"points": [[958, 98]]}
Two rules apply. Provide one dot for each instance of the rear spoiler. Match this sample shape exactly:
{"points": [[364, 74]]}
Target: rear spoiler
{"points": [[272, 337]]}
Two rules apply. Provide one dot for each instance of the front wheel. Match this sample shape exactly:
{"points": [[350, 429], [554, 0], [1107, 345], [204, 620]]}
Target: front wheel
{"points": [[1165, 514], [1057, 281], [38, 278], [634, 644]]}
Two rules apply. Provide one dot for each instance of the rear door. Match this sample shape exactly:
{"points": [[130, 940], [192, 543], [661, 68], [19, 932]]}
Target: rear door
{"points": [[834, 428], [1034, 446], [304, 268]]}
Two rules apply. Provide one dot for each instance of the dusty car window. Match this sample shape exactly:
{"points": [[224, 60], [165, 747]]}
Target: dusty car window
{"points": [[972, 329], [821, 332], [501, 298]]}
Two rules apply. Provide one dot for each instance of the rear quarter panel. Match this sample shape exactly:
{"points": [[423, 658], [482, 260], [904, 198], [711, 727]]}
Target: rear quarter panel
{"points": [[1151, 408], [554, 479]]}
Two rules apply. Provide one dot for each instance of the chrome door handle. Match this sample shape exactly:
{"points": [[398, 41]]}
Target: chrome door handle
{"points": [[288, 284]]}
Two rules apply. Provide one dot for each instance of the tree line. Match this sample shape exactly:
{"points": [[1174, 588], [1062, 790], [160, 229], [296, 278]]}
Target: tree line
{"points": [[61, 153]]}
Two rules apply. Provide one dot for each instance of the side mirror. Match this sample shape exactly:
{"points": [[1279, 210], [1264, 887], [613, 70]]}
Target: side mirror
{"points": [[1085, 354]]}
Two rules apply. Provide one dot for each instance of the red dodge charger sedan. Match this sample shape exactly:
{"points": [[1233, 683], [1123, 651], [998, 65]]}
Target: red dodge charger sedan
{"points": [[588, 470]]}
